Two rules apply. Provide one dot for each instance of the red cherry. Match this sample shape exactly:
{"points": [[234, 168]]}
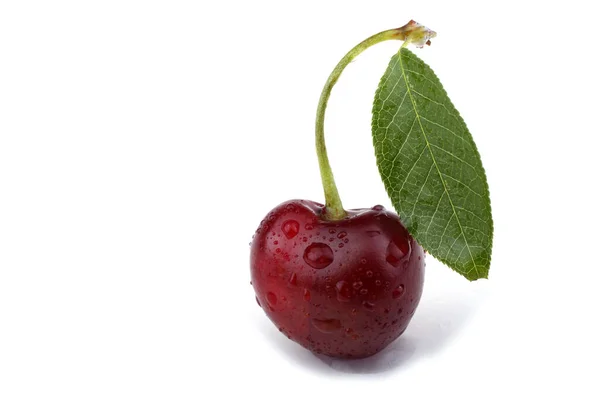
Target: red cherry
{"points": [[345, 288]]}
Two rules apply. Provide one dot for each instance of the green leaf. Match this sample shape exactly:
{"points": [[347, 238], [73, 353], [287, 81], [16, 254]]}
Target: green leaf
{"points": [[431, 168]]}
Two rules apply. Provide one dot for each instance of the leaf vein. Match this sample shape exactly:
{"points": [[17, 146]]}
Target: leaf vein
{"points": [[463, 184], [454, 156], [443, 127], [402, 146], [438, 103], [421, 191], [412, 168]]}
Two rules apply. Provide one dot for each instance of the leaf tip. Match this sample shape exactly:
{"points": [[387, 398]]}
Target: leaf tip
{"points": [[479, 272]]}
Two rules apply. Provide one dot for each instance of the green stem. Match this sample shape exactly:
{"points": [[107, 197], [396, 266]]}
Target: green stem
{"points": [[333, 203]]}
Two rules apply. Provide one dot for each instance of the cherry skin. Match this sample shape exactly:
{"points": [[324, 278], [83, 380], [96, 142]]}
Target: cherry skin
{"points": [[345, 288]]}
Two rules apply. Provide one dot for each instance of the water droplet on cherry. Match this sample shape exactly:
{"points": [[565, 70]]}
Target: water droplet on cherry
{"points": [[368, 305], [308, 227], [344, 291], [318, 255], [397, 251], [290, 228], [357, 285], [369, 274], [306, 295], [341, 235], [272, 299], [327, 325], [293, 279], [398, 292]]}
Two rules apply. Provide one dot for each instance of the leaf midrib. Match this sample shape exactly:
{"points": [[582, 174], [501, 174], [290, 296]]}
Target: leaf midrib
{"points": [[412, 100]]}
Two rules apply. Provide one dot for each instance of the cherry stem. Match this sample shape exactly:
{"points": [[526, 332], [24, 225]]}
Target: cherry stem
{"points": [[334, 209]]}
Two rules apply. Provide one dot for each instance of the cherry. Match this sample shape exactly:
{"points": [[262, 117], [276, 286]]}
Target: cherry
{"points": [[345, 288], [341, 283]]}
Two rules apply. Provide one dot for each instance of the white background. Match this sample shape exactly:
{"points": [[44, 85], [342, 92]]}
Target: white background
{"points": [[141, 143]]}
